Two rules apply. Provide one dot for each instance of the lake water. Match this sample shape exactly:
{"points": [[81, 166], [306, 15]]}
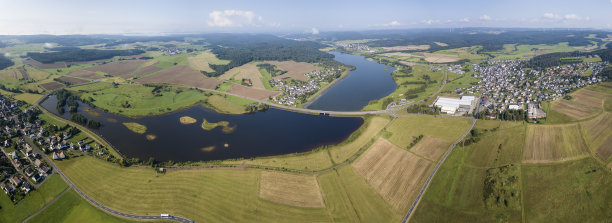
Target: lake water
{"points": [[369, 81], [273, 132]]}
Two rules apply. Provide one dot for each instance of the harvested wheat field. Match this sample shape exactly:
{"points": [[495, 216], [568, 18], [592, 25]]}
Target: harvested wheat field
{"points": [[144, 70], [396, 174], [85, 74], [290, 189], [73, 80], [247, 71], [599, 135], [182, 75], [253, 93], [295, 70], [440, 58], [407, 47], [430, 147], [118, 67], [51, 85], [586, 99], [546, 143], [573, 109], [592, 93]]}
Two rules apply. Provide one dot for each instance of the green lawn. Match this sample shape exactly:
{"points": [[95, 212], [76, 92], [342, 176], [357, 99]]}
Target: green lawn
{"points": [[265, 79], [73, 208], [33, 201]]}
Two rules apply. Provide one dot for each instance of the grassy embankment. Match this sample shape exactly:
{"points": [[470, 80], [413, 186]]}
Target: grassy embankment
{"points": [[32, 202], [225, 126]]}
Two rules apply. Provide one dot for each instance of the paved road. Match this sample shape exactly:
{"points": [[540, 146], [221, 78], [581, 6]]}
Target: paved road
{"points": [[95, 203]]}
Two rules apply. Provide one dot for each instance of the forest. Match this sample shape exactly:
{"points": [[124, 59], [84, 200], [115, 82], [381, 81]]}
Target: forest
{"points": [[5, 62], [243, 48], [70, 54], [557, 59]]}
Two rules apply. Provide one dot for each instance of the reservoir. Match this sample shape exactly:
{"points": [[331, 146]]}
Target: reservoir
{"points": [[273, 132], [369, 81]]}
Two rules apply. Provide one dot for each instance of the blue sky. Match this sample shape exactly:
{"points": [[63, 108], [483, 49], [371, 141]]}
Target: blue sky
{"points": [[188, 16]]}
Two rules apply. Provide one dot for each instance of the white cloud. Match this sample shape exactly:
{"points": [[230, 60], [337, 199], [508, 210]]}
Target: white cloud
{"points": [[392, 23], [7, 54], [431, 21], [48, 45], [232, 18], [466, 19], [549, 15], [571, 17], [315, 31], [485, 17]]}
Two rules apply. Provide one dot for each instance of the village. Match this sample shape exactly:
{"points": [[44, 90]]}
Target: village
{"points": [[295, 92], [506, 85], [23, 166]]}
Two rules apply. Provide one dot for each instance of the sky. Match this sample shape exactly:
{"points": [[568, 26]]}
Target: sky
{"points": [[155, 17]]}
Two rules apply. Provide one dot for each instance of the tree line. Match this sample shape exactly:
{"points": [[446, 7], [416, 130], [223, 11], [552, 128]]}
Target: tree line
{"points": [[5, 62], [72, 54]]}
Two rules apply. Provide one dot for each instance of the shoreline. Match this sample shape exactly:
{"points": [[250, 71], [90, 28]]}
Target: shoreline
{"points": [[327, 88]]}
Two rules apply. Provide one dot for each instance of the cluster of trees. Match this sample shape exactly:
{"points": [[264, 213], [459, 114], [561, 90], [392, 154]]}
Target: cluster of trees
{"points": [[506, 115], [65, 97], [78, 118], [271, 69], [415, 141], [252, 108], [14, 90], [5, 62], [423, 109], [71, 54]]}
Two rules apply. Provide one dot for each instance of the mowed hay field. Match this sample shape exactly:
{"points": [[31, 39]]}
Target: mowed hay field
{"points": [[430, 147], [573, 109], [500, 147], [546, 143], [440, 58], [203, 195], [348, 198], [396, 174], [404, 129], [118, 67], [247, 71], [51, 85], [182, 75], [290, 189], [259, 94], [202, 61], [85, 74], [73, 80], [598, 135], [407, 47], [295, 70], [574, 191]]}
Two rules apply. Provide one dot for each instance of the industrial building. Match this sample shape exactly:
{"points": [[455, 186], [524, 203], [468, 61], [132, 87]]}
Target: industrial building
{"points": [[459, 106]]}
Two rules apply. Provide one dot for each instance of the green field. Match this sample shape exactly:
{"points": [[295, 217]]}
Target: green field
{"points": [[32, 202], [404, 129], [217, 195], [575, 191], [72, 208], [500, 147]]}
